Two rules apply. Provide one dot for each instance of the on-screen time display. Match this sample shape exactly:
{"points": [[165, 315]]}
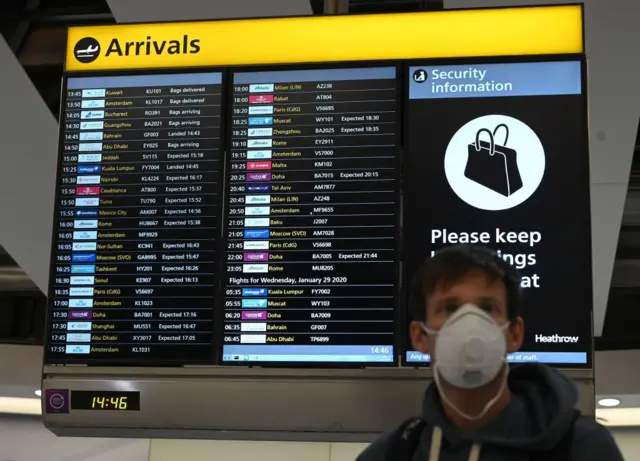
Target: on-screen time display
{"points": [[496, 154], [311, 219], [136, 218]]}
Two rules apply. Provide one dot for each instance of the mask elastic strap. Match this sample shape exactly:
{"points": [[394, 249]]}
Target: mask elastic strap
{"points": [[436, 447], [486, 408], [436, 444]]}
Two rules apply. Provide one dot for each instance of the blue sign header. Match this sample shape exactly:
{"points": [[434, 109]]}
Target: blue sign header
{"points": [[495, 80]]}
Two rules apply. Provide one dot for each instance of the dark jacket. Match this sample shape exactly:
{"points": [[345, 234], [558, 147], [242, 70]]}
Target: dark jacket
{"points": [[535, 422]]}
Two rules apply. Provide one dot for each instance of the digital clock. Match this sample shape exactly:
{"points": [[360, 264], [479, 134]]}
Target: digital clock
{"points": [[105, 400]]}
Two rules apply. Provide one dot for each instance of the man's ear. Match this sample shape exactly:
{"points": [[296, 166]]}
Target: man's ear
{"points": [[516, 335], [419, 338]]}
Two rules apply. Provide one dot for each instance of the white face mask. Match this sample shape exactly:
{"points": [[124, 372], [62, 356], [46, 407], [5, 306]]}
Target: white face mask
{"points": [[470, 351]]}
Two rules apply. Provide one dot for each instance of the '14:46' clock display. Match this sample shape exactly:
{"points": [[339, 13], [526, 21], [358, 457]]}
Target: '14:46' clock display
{"points": [[105, 400]]}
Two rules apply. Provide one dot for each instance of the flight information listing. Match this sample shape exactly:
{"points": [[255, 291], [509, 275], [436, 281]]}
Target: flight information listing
{"points": [[311, 217], [139, 189]]}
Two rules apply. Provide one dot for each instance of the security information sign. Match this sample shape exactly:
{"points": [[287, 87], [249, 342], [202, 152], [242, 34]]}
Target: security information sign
{"points": [[503, 147]]}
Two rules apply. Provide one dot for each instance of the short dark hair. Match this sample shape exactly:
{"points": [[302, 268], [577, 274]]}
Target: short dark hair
{"points": [[451, 264]]}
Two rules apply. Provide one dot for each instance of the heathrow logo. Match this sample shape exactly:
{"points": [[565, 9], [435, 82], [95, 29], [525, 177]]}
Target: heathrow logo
{"points": [[87, 50]]}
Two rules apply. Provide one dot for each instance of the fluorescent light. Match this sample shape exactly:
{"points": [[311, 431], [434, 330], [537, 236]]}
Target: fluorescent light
{"points": [[618, 417], [38, 392], [20, 406], [609, 402]]}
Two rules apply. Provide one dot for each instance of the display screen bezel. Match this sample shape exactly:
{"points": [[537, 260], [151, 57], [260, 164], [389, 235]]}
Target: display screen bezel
{"points": [[399, 117], [142, 361]]}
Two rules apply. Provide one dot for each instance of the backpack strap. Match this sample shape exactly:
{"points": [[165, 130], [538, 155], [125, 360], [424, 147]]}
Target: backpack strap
{"points": [[563, 450], [405, 440]]}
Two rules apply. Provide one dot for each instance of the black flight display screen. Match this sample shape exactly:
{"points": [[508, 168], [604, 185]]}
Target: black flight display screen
{"points": [[312, 217], [137, 212], [497, 155]]}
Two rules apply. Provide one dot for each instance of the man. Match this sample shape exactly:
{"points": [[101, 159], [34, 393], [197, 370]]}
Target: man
{"points": [[465, 303]]}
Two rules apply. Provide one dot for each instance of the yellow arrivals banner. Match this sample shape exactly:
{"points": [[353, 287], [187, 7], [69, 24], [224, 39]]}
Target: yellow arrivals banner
{"points": [[541, 30]]}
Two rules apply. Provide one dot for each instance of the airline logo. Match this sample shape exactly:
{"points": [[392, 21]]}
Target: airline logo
{"points": [[254, 315], [82, 281], [80, 292], [260, 132], [259, 188], [85, 235], [87, 191], [253, 327], [84, 246], [258, 176], [257, 234], [80, 315], [259, 166], [89, 158], [257, 199], [89, 169], [93, 179], [86, 50], [91, 136], [78, 326], [97, 93], [83, 269], [260, 121], [261, 88], [86, 213], [255, 268], [256, 222], [91, 125], [89, 146], [261, 99], [88, 201], [93, 104], [91, 114], [77, 349], [81, 303], [78, 337], [249, 257], [256, 245], [253, 339], [258, 154], [259, 143], [83, 257], [254, 292], [82, 224], [260, 110], [257, 210], [253, 303]]}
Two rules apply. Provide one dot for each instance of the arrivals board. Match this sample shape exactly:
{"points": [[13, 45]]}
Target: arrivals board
{"points": [[312, 217], [503, 147], [137, 214], [244, 205]]}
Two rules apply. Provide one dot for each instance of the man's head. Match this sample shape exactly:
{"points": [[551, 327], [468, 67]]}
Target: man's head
{"points": [[459, 275]]}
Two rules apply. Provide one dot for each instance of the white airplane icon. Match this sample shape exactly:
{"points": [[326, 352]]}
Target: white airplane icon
{"points": [[88, 51]]}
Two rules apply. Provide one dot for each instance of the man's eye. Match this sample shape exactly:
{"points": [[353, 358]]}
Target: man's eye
{"points": [[487, 307], [450, 308]]}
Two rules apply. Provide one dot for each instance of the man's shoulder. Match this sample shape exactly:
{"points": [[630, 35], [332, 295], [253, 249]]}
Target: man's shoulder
{"points": [[379, 448], [593, 441]]}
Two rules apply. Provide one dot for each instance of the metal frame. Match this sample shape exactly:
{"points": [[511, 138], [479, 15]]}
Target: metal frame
{"points": [[222, 403]]}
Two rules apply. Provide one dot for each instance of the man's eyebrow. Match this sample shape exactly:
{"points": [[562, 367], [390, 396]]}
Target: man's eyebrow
{"points": [[448, 299]]}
